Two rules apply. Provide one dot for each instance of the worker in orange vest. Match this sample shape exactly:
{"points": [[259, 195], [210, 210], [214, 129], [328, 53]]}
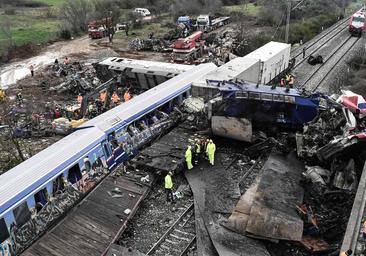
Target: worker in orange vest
{"points": [[115, 98], [103, 96], [127, 96], [79, 99], [364, 230]]}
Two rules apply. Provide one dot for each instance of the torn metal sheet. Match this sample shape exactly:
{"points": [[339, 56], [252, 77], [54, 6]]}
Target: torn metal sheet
{"points": [[238, 220], [273, 214], [214, 192], [268, 208], [232, 127]]}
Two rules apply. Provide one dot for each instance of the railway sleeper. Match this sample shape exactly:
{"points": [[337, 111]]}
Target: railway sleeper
{"points": [[184, 233], [180, 238]]}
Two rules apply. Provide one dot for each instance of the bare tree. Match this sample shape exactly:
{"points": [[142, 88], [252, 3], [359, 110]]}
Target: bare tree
{"points": [[76, 13]]}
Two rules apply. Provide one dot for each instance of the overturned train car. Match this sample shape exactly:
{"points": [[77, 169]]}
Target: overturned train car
{"points": [[37, 192], [242, 107]]}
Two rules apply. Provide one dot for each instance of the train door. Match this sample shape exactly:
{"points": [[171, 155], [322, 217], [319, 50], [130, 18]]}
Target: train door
{"points": [[108, 153]]}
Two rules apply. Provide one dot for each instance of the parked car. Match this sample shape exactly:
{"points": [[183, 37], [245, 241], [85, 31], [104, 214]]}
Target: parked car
{"points": [[142, 11]]}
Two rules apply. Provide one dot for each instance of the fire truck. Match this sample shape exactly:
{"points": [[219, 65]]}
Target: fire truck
{"points": [[99, 28], [187, 50]]}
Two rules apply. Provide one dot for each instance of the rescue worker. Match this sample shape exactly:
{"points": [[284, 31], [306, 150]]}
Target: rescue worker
{"points": [[31, 68], [169, 187], [66, 61], [292, 81], [79, 99], [282, 82], [126, 29], [197, 151], [364, 230], [347, 253], [103, 96], [188, 156], [127, 96], [115, 98], [288, 78], [211, 148]]}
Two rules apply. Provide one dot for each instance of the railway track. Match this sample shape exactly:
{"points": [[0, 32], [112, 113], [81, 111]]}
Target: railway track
{"points": [[317, 44], [298, 51], [314, 80], [179, 238]]}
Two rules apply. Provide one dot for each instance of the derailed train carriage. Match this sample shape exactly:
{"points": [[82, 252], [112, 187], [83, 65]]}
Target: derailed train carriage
{"points": [[34, 194], [242, 107]]}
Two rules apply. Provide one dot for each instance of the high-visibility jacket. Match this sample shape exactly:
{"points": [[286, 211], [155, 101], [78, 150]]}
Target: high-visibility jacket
{"points": [[168, 182], [115, 98], [127, 96], [188, 155], [211, 148]]}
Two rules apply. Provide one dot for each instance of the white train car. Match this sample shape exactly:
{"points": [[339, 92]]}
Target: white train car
{"points": [[274, 59], [259, 67]]}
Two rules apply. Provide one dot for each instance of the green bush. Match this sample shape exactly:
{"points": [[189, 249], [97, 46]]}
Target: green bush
{"points": [[65, 34], [307, 29]]}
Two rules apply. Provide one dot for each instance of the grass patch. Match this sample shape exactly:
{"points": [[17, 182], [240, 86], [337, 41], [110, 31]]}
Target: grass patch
{"points": [[56, 3], [248, 9], [28, 27]]}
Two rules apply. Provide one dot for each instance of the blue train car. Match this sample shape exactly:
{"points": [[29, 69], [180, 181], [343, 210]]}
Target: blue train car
{"points": [[265, 104], [34, 194]]}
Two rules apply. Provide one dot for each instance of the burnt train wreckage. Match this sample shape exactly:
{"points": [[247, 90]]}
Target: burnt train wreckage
{"points": [[40, 190]]}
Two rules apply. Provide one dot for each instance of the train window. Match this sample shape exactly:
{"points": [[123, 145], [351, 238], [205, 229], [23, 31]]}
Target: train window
{"points": [[4, 233], [254, 95], [278, 97], [119, 60], [112, 140], [58, 184], [74, 174], [289, 99], [22, 214], [266, 96], [242, 95], [41, 199], [106, 150]]}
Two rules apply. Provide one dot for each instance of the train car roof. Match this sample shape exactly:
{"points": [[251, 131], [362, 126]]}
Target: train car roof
{"points": [[31, 174], [229, 70], [267, 51], [149, 100], [146, 67], [228, 86]]}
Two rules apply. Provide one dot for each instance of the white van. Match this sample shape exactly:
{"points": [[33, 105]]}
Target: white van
{"points": [[142, 11]]}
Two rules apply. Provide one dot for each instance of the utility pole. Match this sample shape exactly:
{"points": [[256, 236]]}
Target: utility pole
{"points": [[288, 20]]}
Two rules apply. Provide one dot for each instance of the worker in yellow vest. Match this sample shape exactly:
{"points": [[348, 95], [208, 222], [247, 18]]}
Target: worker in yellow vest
{"points": [[188, 156], [210, 150], [169, 187]]}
